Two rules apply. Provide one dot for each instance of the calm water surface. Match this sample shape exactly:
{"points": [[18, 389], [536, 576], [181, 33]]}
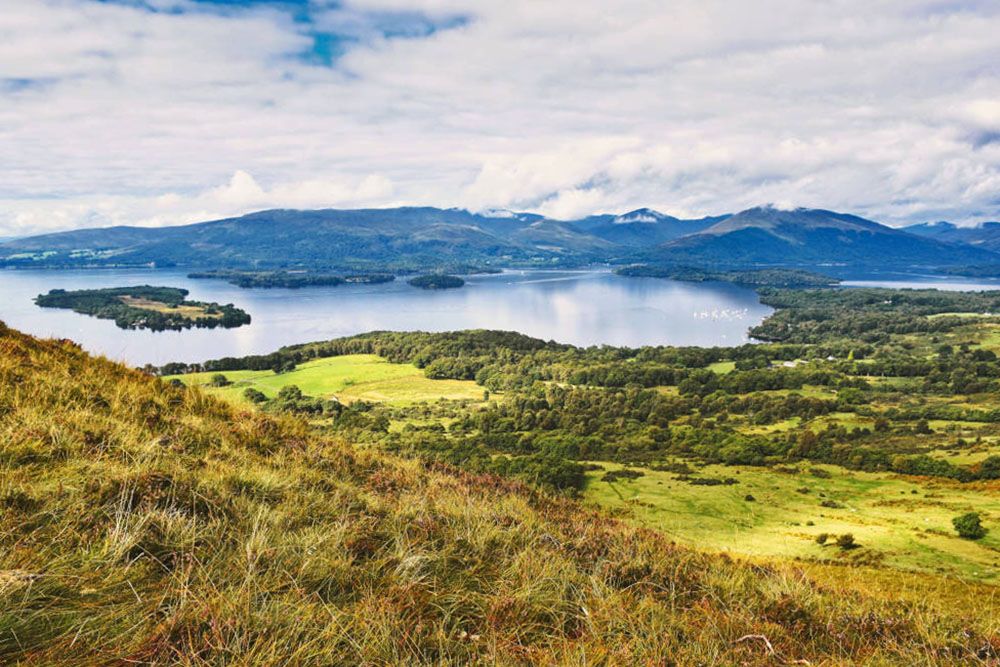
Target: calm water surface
{"points": [[579, 307], [949, 283]]}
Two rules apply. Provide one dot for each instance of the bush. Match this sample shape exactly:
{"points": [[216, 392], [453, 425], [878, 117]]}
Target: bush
{"points": [[846, 541], [254, 396], [708, 481], [822, 538], [615, 475], [969, 526], [219, 380], [289, 392]]}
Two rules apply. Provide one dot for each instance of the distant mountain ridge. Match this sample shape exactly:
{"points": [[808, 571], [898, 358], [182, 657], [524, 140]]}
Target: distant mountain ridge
{"points": [[422, 238], [984, 235], [810, 238]]}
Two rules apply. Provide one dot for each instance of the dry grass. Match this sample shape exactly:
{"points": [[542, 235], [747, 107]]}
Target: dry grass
{"points": [[145, 524]]}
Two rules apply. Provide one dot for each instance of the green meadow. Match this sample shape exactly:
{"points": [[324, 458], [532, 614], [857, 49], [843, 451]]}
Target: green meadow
{"points": [[897, 521], [349, 378]]}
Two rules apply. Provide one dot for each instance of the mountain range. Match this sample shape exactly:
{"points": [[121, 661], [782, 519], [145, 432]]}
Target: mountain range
{"points": [[984, 235], [421, 238]]}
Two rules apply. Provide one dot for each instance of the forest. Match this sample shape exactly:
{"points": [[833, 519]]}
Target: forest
{"points": [[289, 279], [751, 277]]}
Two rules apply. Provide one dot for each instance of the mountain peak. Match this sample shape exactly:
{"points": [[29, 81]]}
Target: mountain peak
{"points": [[641, 215], [770, 217], [504, 214]]}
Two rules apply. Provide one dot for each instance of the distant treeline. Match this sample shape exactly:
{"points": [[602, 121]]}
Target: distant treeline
{"points": [[869, 315], [436, 281], [754, 278], [108, 304], [289, 279]]}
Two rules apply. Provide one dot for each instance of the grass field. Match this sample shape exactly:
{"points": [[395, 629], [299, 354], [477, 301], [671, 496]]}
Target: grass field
{"points": [[192, 312], [722, 367], [348, 378], [897, 521]]}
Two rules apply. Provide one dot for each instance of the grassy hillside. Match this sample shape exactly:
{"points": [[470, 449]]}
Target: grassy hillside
{"points": [[898, 522], [143, 523]]}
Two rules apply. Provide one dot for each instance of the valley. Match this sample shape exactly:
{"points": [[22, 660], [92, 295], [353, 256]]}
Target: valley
{"points": [[883, 425]]}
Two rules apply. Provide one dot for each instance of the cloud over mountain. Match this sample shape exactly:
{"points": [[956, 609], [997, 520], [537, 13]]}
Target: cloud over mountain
{"points": [[142, 111]]}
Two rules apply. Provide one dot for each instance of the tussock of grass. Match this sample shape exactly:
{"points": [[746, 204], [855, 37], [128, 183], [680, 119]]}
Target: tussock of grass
{"points": [[149, 524]]}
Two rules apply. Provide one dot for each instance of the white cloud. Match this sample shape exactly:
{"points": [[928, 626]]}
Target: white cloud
{"points": [[112, 114], [241, 194]]}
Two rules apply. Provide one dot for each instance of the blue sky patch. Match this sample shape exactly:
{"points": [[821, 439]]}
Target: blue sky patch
{"points": [[333, 28]]}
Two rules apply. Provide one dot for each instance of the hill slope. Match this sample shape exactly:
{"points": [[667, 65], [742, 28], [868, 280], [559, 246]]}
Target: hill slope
{"points": [[766, 236], [985, 235], [147, 523]]}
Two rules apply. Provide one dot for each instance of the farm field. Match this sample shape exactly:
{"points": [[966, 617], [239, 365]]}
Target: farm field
{"points": [[349, 378]]}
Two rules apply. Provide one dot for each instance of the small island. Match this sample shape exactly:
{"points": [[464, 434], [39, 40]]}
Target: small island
{"points": [[289, 279], [146, 307], [436, 281]]}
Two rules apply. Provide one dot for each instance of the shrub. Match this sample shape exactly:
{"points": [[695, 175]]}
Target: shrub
{"points": [[615, 475], [846, 541], [707, 481], [219, 380], [254, 396], [290, 393], [822, 538], [969, 526]]}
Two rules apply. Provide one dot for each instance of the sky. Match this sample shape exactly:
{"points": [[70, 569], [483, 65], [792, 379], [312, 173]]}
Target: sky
{"points": [[161, 112]]}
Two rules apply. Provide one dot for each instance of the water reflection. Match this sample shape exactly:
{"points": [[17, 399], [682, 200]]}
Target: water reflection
{"points": [[579, 307]]}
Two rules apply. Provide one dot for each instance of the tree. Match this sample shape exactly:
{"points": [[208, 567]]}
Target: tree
{"points": [[219, 380], [969, 526]]}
